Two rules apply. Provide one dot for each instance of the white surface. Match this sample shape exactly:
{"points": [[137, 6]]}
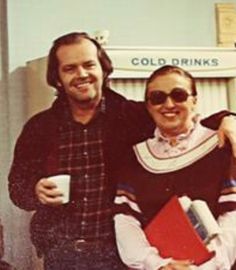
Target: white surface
{"points": [[62, 182]]}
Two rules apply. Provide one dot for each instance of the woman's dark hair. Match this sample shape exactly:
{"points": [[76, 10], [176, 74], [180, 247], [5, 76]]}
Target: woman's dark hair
{"points": [[169, 69], [68, 39]]}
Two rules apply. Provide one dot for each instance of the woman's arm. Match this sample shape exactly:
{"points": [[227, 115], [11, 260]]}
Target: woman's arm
{"points": [[134, 249]]}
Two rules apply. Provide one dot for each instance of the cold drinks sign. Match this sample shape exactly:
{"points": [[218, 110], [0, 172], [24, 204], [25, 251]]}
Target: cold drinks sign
{"points": [[201, 62], [188, 62]]}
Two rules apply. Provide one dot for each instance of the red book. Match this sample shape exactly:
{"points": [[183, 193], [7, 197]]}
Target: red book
{"points": [[172, 233]]}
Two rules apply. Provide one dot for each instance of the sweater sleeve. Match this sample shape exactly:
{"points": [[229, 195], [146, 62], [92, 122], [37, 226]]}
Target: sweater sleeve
{"points": [[213, 121], [224, 245], [134, 248], [26, 168]]}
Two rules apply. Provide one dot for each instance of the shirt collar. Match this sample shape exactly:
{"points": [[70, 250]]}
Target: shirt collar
{"points": [[183, 136], [62, 108]]}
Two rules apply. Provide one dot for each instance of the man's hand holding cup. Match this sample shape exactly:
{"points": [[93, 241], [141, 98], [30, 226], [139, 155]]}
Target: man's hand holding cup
{"points": [[53, 190]]}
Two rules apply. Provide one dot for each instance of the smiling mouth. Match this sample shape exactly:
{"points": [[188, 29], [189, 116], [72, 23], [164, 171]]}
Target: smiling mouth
{"points": [[170, 114], [83, 85]]}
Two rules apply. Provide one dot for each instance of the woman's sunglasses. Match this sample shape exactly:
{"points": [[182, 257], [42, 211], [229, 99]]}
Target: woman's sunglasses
{"points": [[158, 97]]}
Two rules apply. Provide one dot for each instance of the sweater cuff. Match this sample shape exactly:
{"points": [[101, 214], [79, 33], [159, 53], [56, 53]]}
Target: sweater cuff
{"points": [[153, 261]]}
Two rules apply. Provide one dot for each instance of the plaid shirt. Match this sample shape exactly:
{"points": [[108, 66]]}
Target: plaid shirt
{"points": [[81, 155]]}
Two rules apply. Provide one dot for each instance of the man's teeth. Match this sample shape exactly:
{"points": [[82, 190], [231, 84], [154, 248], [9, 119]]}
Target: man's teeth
{"points": [[82, 85]]}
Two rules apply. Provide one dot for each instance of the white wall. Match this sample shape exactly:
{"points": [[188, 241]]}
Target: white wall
{"points": [[33, 24]]}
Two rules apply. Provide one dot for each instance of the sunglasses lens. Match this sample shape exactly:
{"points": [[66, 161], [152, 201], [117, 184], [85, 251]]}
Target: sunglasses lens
{"points": [[179, 95], [157, 97]]}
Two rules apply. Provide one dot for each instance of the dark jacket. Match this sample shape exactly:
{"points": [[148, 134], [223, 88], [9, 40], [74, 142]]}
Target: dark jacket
{"points": [[126, 122], [35, 156]]}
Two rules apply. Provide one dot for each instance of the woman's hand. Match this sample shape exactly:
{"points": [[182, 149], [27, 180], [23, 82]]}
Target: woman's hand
{"points": [[177, 265]]}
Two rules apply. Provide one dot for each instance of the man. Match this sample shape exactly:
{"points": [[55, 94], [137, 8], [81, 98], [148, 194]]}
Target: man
{"points": [[181, 159], [84, 134]]}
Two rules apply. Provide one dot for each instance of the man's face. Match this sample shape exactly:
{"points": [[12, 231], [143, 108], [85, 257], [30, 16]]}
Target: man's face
{"points": [[173, 118], [80, 73]]}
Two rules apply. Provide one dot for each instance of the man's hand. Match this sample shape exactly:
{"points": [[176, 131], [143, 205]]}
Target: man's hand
{"points": [[47, 192], [226, 130]]}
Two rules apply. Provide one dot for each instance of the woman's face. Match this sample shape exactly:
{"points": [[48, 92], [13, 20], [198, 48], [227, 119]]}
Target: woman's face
{"points": [[174, 115]]}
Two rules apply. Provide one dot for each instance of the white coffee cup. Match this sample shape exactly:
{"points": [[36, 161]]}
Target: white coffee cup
{"points": [[62, 181]]}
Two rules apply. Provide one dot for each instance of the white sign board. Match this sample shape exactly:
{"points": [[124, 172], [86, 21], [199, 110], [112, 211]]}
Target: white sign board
{"points": [[201, 62]]}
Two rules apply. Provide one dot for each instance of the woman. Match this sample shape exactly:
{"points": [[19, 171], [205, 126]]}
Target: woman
{"points": [[181, 159]]}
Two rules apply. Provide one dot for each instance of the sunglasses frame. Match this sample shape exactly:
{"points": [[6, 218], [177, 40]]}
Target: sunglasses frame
{"points": [[153, 96]]}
